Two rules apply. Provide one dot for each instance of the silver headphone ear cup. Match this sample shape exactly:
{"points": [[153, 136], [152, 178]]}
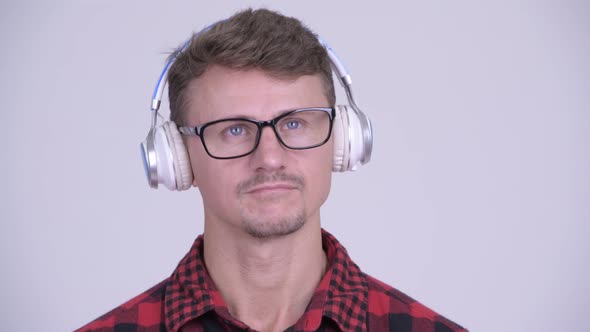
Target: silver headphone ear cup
{"points": [[366, 137], [353, 139], [340, 133], [183, 174], [356, 140], [148, 156]]}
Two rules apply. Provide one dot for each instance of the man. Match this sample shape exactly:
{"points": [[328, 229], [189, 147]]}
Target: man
{"points": [[257, 90]]}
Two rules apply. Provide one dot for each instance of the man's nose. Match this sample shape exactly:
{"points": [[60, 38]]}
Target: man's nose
{"points": [[270, 153]]}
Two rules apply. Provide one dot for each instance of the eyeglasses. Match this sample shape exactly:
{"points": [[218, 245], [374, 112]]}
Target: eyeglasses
{"points": [[299, 129]]}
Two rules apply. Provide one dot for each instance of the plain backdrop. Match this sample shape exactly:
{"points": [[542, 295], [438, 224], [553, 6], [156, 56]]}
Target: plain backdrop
{"points": [[476, 201]]}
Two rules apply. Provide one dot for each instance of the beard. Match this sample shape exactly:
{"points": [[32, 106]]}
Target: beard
{"points": [[269, 227], [272, 216]]}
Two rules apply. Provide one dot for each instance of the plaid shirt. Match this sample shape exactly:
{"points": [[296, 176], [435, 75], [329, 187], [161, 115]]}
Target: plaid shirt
{"points": [[345, 300]]}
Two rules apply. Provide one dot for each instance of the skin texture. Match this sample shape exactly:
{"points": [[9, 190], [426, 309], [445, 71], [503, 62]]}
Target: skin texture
{"points": [[262, 211]]}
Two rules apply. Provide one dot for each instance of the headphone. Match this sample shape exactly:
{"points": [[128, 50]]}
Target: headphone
{"points": [[166, 160]]}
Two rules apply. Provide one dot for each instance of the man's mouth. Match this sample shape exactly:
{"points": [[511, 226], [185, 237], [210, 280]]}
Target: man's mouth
{"points": [[271, 188], [265, 183]]}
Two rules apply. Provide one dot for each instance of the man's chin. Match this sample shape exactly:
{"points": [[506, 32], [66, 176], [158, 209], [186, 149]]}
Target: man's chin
{"points": [[267, 227], [276, 207]]}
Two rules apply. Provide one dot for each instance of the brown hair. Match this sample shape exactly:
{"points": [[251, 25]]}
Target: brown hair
{"points": [[251, 39]]}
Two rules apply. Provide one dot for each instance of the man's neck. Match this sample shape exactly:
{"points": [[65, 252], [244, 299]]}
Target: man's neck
{"points": [[266, 283]]}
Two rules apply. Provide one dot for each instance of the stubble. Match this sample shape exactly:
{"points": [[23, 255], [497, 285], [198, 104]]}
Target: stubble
{"points": [[263, 226]]}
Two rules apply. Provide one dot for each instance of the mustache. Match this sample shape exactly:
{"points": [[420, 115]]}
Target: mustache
{"points": [[263, 178]]}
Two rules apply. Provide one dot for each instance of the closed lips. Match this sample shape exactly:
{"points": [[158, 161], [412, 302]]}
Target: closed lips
{"points": [[270, 187]]}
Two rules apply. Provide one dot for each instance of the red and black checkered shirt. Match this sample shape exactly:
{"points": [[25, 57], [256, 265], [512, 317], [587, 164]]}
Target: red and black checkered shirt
{"points": [[345, 300]]}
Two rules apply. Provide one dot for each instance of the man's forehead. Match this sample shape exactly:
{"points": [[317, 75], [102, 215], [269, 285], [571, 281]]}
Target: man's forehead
{"points": [[223, 92], [239, 79]]}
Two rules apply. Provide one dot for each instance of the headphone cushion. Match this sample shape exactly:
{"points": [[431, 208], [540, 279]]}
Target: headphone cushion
{"points": [[182, 167], [341, 140]]}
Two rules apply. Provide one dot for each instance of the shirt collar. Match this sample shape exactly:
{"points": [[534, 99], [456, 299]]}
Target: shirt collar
{"points": [[347, 290], [341, 296], [190, 291]]}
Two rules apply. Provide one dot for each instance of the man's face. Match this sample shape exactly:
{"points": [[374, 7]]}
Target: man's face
{"points": [[274, 190]]}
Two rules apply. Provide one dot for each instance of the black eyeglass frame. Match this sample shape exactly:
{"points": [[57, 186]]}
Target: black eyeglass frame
{"points": [[198, 130]]}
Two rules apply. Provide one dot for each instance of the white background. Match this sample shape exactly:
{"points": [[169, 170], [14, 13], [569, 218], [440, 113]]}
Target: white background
{"points": [[476, 202]]}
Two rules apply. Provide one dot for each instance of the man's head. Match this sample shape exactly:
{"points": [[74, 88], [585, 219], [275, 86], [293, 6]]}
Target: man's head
{"points": [[257, 65], [252, 39]]}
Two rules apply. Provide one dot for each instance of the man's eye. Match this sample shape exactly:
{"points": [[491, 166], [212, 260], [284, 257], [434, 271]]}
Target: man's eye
{"points": [[236, 130], [292, 124]]}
